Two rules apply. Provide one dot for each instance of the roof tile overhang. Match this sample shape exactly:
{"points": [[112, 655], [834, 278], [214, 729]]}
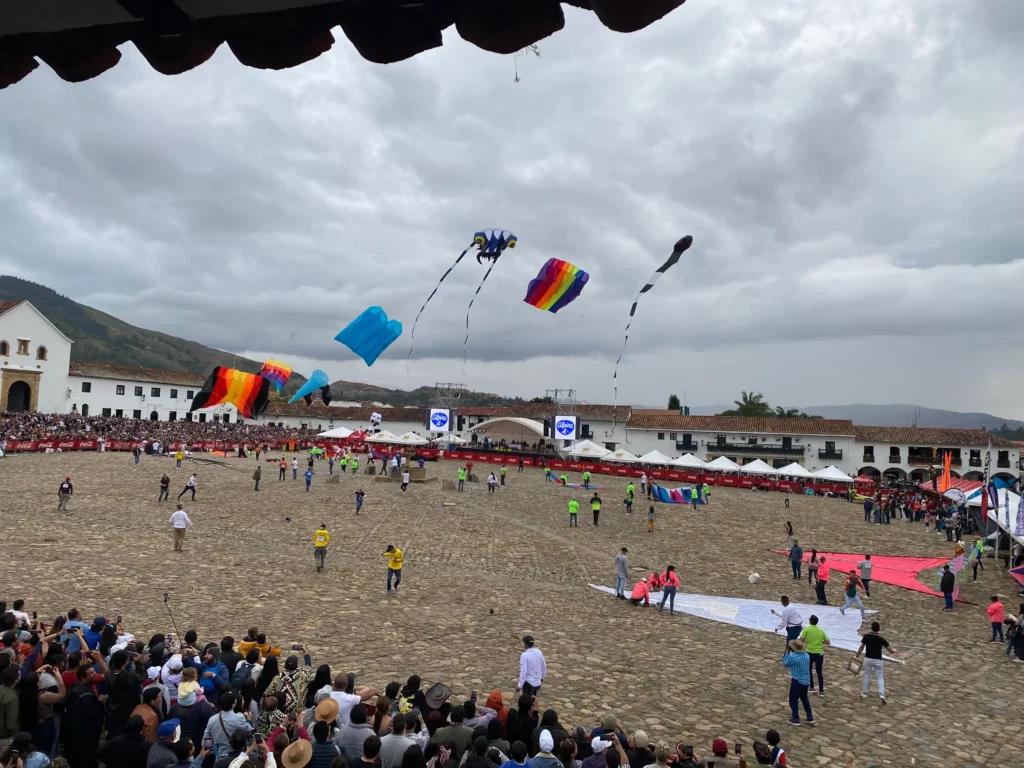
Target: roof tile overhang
{"points": [[177, 35]]}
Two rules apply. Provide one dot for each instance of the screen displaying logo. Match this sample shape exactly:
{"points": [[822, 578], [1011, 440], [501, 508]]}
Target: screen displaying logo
{"points": [[439, 419], [565, 427]]}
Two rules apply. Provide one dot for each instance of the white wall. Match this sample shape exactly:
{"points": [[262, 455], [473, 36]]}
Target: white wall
{"points": [[103, 394], [882, 463], [323, 424], [25, 322]]}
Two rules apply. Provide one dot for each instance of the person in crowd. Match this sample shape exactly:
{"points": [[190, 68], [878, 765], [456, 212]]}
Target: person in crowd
{"points": [[865, 575], [871, 646], [822, 582], [996, 616], [130, 749], [789, 620], [947, 585], [533, 668], [850, 592], [180, 523], [796, 558]]}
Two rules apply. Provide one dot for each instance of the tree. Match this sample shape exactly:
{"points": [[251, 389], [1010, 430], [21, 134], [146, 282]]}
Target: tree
{"points": [[673, 402], [545, 399], [749, 404], [792, 413]]}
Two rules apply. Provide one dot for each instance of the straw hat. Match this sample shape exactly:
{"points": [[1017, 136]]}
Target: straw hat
{"points": [[327, 710], [799, 645], [297, 754]]}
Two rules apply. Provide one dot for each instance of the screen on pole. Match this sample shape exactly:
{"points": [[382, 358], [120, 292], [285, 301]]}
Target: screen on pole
{"points": [[565, 427], [439, 419]]}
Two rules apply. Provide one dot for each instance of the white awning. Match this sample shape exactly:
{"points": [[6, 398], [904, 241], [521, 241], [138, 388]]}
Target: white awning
{"points": [[383, 437], [833, 474], [758, 467], [655, 457], [411, 438], [450, 437], [621, 456], [514, 427], [723, 464], [795, 470], [586, 449], [689, 461], [339, 433]]}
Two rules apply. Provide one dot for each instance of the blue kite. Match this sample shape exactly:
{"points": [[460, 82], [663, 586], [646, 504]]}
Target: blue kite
{"points": [[317, 380], [370, 334]]}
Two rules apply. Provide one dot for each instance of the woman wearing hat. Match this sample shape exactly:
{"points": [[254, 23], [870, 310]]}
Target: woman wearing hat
{"points": [[798, 663]]}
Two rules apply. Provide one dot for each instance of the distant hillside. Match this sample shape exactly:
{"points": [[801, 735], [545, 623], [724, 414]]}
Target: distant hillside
{"points": [[902, 415], [348, 390], [102, 338]]}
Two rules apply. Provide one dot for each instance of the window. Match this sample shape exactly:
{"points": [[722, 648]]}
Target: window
{"points": [[720, 439], [106, 411], [189, 395], [22, 346], [202, 418], [227, 418], [136, 414], [119, 413], [87, 386], [216, 418], [119, 389], [869, 450], [672, 436], [138, 391], [687, 438], [661, 435], [172, 416], [174, 394], [40, 352], [154, 392], [5, 348]]}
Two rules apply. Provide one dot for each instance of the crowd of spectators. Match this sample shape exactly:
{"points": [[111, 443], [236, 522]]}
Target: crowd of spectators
{"points": [[83, 694]]}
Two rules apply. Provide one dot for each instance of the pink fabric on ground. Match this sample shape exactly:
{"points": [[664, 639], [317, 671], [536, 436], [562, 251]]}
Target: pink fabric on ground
{"points": [[898, 571]]}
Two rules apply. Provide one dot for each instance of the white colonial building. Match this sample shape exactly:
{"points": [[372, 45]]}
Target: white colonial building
{"points": [[322, 418], [34, 358]]}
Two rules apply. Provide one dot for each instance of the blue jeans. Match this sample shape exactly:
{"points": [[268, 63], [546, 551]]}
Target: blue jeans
{"points": [[165, 493], [398, 577], [798, 695], [295, 474], [997, 629], [670, 595], [792, 633], [855, 600], [948, 597], [797, 564], [461, 484], [620, 584]]}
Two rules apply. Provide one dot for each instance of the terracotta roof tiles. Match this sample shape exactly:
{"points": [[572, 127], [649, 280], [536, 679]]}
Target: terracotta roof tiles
{"points": [[739, 424], [320, 411], [7, 306], [131, 373], [978, 438]]}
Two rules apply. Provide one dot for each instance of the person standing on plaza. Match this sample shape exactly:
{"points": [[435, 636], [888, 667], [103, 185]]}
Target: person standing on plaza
{"points": [[621, 573], [946, 586], [532, 668], [282, 469], [850, 592], [996, 615], [64, 494], [798, 663], [871, 646], [165, 488], [180, 522], [595, 506], [503, 472], [868, 502], [462, 478], [405, 480], [650, 519], [630, 493], [812, 566], [492, 483], [789, 620], [395, 561], [865, 574], [355, 464], [706, 490], [178, 456], [256, 475], [359, 500], [574, 508], [822, 583], [796, 558], [977, 552], [190, 485], [330, 464], [344, 463], [670, 584], [309, 477], [137, 453], [643, 482], [295, 468], [320, 541], [586, 479], [789, 535], [816, 640], [521, 465]]}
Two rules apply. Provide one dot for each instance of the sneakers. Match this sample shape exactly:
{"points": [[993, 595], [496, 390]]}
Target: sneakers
{"points": [[842, 611], [811, 721], [882, 698], [820, 693], [863, 695], [791, 721]]}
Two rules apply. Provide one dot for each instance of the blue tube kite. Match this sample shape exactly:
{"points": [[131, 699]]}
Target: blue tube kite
{"points": [[370, 334], [318, 380]]}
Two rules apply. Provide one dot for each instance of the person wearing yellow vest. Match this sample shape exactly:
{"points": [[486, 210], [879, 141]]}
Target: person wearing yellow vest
{"points": [[394, 556], [355, 465], [574, 508], [462, 478], [595, 506], [706, 491], [320, 541], [586, 479], [503, 471]]}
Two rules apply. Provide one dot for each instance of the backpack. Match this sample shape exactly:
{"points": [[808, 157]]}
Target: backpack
{"points": [[242, 673], [763, 753], [406, 703]]}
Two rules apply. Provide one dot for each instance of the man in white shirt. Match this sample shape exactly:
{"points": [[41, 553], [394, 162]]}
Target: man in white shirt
{"points": [[405, 481], [295, 469], [789, 619], [346, 701], [190, 485], [181, 522], [532, 668]]}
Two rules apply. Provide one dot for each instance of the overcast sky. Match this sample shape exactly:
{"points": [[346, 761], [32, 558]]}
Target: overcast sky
{"points": [[850, 173]]}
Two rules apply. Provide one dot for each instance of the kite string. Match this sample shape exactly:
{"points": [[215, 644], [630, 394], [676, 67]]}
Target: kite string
{"points": [[447, 272], [465, 341]]}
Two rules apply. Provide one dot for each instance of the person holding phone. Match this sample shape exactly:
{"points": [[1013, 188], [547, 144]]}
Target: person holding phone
{"points": [[720, 750]]}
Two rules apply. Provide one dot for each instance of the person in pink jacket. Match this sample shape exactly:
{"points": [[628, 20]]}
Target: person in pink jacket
{"points": [[671, 583], [641, 592], [996, 614]]}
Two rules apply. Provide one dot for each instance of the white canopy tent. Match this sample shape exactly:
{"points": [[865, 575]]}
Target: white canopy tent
{"points": [[655, 457], [411, 438], [689, 461], [510, 428], [621, 456], [723, 464], [795, 470], [383, 437], [338, 433], [832, 474], [586, 449], [758, 467], [450, 437], [999, 516]]}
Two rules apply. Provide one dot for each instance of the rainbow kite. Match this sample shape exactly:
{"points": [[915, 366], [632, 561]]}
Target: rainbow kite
{"points": [[276, 372], [557, 284], [246, 391]]}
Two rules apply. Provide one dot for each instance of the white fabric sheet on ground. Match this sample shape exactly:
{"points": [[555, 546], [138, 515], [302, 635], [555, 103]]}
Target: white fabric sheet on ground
{"points": [[844, 631]]}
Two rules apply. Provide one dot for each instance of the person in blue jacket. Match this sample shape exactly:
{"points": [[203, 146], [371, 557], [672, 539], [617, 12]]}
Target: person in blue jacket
{"points": [[213, 675]]}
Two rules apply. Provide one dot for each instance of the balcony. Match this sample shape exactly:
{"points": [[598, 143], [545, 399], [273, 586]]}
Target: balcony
{"points": [[685, 447], [975, 462], [1003, 463], [923, 461], [764, 449], [869, 458], [833, 455]]}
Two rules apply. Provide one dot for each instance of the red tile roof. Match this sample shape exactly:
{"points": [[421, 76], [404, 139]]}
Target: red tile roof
{"points": [[490, 411], [320, 411], [81, 41], [7, 306], [131, 373], [978, 438], [741, 424]]}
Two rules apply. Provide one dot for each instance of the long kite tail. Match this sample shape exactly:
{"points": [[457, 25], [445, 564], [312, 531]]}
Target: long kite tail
{"points": [[677, 252], [447, 272], [470, 307]]}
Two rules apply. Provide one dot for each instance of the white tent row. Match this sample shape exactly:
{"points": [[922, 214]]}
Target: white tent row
{"points": [[655, 457], [586, 449], [999, 516], [622, 457], [450, 437], [758, 467], [339, 433], [833, 474], [722, 464], [689, 461], [409, 438], [795, 470]]}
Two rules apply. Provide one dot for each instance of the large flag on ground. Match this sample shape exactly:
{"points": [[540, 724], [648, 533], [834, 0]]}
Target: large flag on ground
{"points": [[676, 495], [898, 571], [248, 392]]}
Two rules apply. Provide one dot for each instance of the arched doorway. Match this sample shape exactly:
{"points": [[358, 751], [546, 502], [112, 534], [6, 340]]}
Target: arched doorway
{"points": [[19, 397], [154, 416], [85, 409], [919, 475], [871, 472], [894, 473]]}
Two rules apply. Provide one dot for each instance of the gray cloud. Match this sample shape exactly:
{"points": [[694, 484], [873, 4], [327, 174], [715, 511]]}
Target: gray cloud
{"points": [[850, 175]]}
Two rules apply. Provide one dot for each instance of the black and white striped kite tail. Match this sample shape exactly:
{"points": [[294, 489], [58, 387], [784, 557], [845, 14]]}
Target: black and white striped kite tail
{"points": [[470, 307], [677, 253], [447, 272]]}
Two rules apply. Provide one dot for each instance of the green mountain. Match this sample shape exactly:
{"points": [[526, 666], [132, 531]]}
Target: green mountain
{"points": [[350, 390]]}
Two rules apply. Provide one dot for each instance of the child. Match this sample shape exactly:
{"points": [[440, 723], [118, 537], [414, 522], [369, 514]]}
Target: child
{"points": [[650, 519], [927, 520], [359, 500], [549, 476], [190, 683], [309, 478], [996, 616]]}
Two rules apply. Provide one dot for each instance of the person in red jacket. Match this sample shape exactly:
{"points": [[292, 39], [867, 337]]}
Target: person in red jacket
{"points": [[671, 583], [641, 592]]}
